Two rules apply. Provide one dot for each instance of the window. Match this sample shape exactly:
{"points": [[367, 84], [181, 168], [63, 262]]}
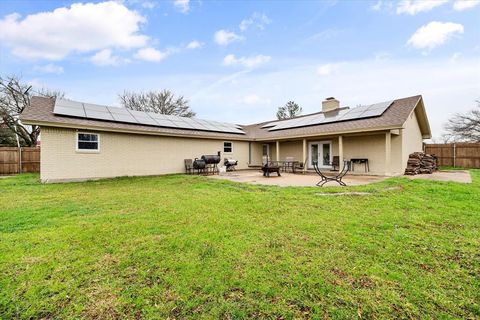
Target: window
{"points": [[88, 142], [227, 147]]}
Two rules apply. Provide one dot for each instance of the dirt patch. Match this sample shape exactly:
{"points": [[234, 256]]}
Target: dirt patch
{"points": [[461, 176]]}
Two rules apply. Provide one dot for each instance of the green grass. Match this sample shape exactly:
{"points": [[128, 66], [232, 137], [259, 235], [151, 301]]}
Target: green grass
{"points": [[191, 247]]}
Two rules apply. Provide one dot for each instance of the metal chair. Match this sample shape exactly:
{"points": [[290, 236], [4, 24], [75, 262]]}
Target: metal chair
{"points": [[335, 162], [188, 166], [299, 166], [337, 178]]}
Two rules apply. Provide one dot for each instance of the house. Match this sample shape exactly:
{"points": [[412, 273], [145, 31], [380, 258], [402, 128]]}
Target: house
{"points": [[86, 141]]}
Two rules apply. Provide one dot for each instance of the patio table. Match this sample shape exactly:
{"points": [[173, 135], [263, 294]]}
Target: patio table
{"points": [[290, 164]]}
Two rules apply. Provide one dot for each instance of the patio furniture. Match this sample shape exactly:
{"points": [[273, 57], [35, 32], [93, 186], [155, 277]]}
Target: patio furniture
{"points": [[337, 178], [288, 164], [335, 162], [299, 166], [188, 166], [360, 161]]}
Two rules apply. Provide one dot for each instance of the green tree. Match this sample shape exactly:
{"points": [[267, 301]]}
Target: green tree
{"points": [[289, 110]]}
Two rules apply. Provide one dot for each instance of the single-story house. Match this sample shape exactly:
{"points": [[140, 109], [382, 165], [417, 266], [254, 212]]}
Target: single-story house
{"points": [[86, 141]]}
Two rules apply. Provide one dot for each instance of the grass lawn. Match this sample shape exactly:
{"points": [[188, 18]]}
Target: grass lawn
{"points": [[191, 247]]}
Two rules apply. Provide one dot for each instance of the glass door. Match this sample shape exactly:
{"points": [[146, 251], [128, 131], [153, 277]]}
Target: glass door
{"points": [[321, 152]]}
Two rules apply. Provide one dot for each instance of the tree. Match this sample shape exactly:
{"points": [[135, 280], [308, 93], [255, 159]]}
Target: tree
{"points": [[163, 102], [288, 111], [14, 98], [464, 127]]}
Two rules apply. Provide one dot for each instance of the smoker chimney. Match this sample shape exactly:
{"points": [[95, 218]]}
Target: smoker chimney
{"points": [[330, 104]]}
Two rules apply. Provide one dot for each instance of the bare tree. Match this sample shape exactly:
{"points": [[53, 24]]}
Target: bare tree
{"points": [[464, 127], [288, 111], [163, 102], [14, 98]]}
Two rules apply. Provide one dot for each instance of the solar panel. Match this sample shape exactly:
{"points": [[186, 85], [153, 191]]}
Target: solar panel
{"points": [[373, 110], [99, 112]]}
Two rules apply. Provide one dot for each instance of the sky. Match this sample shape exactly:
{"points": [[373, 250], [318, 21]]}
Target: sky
{"points": [[239, 61]]}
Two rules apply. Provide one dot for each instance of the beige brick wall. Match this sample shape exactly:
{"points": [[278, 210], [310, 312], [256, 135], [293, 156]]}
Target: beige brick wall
{"points": [[411, 139], [124, 155]]}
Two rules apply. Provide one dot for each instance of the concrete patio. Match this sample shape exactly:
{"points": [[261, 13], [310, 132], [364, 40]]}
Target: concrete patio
{"points": [[310, 179], [292, 180]]}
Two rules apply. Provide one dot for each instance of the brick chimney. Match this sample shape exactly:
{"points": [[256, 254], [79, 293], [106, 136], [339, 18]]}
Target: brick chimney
{"points": [[330, 104]]}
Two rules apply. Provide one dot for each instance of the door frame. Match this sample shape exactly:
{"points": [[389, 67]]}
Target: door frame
{"points": [[329, 142], [268, 149]]}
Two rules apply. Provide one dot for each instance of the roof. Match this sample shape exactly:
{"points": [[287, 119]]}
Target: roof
{"points": [[40, 112]]}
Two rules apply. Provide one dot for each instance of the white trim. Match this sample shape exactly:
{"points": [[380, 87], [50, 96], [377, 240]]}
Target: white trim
{"points": [[231, 147], [87, 150], [309, 164]]}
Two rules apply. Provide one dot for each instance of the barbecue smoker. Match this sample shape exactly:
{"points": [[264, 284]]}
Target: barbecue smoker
{"points": [[208, 163], [230, 164]]}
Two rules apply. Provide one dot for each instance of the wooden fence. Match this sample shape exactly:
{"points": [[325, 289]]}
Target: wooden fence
{"points": [[466, 155], [15, 160]]}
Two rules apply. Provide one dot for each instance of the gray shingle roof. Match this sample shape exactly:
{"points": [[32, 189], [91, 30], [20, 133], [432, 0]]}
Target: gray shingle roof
{"points": [[41, 112]]}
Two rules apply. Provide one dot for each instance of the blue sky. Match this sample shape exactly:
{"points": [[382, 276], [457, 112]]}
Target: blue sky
{"points": [[239, 61]]}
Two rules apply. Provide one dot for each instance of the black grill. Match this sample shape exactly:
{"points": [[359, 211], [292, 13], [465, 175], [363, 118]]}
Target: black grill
{"points": [[211, 158], [199, 164]]}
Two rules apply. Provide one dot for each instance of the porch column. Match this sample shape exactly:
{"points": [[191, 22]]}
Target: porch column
{"points": [[340, 151], [388, 153], [277, 150], [304, 159]]}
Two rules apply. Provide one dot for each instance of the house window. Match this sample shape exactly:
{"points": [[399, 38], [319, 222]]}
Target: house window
{"points": [[227, 147], [89, 142]]}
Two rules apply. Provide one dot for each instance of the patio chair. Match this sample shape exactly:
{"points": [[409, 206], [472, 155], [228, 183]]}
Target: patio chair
{"points": [[337, 178], [335, 162], [299, 166], [188, 166]]}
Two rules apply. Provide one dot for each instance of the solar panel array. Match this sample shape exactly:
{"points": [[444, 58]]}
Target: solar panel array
{"points": [[373, 110], [116, 114]]}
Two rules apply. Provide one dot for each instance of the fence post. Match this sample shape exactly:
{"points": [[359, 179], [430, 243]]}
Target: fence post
{"points": [[454, 155], [19, 159]]}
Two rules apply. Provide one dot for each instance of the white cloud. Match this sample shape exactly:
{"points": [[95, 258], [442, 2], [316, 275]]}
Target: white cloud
{"points": [[417, 6], [258, 20], [326, 69], [49, 68], [248, 62], [253, 99], [377, 6], [382, 5], [79, 28], [225, 37], [461, 5], [105, 58], [455, 57], [434, 34], [195, 44], [149, 4], [151, 54], [182, 5]]}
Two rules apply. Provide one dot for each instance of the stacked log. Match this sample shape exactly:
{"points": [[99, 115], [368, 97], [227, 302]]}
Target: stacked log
{"points": [[421, 163]]}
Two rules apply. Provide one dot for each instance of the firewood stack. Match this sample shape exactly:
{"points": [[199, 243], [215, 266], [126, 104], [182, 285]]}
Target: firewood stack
{"points": [[420, 163]]}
